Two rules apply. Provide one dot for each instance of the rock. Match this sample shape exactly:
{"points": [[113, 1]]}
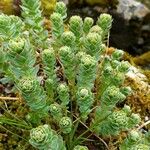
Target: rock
{"points": [[132, 8]]}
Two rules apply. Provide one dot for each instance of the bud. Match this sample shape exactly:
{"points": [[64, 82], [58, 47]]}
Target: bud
{"points": [[124, 66], [61, 9], [88, 61], [56, 19], [134, 136], [126, 90], [63, 92], [117, 54], [118, 119], [64, 51], [96, 29], [135, 119], [118, 79], [27, 84], [111, 96], [107, 71], [39, 134], [57, 24], [105, 22], [78, 147], [126, 109], [115, 63], [16, 45], [93, 43], [76, 26], [88, 22], [48, 55], [65, 125], [84, 93], [68, 38], [55, 110], [44, 138]]}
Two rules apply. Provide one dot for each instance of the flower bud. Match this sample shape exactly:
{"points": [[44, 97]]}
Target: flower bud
{"points": [[117, 54], [118, 119], [124, 66], [135, 119], [61, 9], [57, 24], [44, 138], [16, 45], [64, 50], [118, 79], [126, 90], [96, 29], [84, 93], [27, 84], [63, 92], [107, 71], [56, 110], [93, 43], [87, 24], [126, 109], [76, 26], [56, 19], [68, 38], [88, 61], [134, 136], [39, 134], [63, 88], [65, 125], [115, 63], [48, 55], [78, 147], [105, 22], [111, 96]]}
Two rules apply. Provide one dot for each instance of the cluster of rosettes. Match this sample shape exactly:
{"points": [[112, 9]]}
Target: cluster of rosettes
{"points": [[136, 141], [77, 70], [64, 122], [118, 121]]}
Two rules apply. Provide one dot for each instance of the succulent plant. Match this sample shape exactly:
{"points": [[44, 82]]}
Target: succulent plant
{"points": [[34, 21], [85, 100], [67, 77], [10, 27], [56, 111], [44, 138], [65, 124], [63, 92], [135, 141]]}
